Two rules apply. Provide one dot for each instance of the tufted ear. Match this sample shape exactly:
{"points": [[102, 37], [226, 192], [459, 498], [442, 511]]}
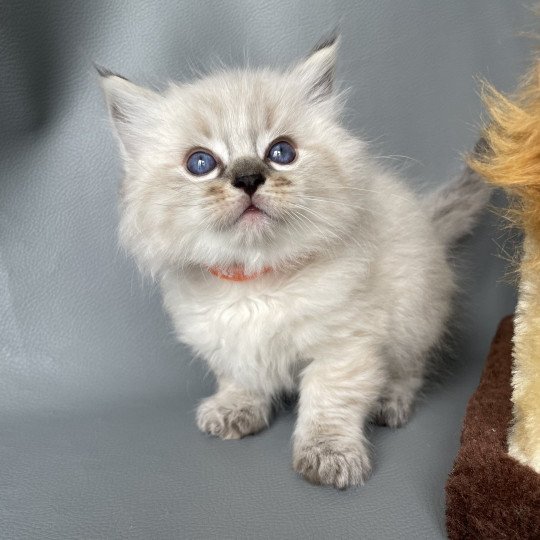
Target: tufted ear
{"points": [[317, 71], [134, 110]]}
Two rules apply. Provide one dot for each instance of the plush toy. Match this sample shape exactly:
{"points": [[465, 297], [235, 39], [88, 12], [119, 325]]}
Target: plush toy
{"points": [[493, 490], [511, 160]]}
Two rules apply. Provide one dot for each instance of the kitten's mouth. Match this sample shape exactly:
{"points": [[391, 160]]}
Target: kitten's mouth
{"points": [[252, 209], [252, 214]]}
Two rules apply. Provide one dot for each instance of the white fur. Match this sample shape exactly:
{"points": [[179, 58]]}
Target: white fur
{"points": [[360, 287]]}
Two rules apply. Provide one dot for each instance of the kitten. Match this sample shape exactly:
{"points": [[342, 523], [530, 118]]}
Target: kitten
{"points": [[287, 258]]}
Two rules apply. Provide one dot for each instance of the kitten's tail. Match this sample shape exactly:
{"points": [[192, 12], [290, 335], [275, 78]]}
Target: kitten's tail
{"points": [[456, 206]]}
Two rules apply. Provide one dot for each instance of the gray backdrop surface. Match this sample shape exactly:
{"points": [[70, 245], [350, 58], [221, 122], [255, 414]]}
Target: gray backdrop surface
{"points": [[97, 434]]}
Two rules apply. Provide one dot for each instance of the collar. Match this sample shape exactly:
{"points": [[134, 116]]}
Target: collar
{"points": [[236, 273]]}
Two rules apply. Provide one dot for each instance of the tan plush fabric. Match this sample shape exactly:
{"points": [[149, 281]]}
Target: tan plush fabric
{"points": [[512, 161]]}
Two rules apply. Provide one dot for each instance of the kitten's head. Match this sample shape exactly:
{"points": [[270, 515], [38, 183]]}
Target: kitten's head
{"points": [[243, 167]]}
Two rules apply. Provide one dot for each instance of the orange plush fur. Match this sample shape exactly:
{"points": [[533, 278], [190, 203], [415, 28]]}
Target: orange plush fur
{"points": [[512, 162]]}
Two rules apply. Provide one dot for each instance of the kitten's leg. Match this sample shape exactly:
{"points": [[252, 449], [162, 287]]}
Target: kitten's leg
{"points": [[395, 405], [337, 394], [234, 412]]}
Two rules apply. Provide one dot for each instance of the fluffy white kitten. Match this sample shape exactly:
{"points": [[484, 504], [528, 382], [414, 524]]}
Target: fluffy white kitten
{"points": [[287, 258]]}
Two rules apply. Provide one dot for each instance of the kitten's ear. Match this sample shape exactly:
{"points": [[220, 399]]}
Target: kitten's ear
{"points": [[133, 110], [317, 71]]}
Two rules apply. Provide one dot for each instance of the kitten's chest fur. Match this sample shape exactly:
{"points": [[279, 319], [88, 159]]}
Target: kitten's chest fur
{"points": [[255, 330]]}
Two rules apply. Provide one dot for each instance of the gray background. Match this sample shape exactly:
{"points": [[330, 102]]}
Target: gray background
{"points": [[97, 434]]}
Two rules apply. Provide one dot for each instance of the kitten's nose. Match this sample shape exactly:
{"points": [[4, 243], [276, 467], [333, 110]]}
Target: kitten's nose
{"points": [[249, 183]]}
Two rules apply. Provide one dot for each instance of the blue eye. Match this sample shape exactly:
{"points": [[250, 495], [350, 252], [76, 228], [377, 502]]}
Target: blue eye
{"points": [[200, 163], [281, 152]]}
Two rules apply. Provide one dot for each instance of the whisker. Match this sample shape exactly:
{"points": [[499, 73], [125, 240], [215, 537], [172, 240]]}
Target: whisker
{"points": [[399, 156], [365, 190], [341, 203], [332, 226]]}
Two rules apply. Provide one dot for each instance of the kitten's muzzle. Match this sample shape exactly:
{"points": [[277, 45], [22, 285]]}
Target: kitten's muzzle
{"points": [[249, 183]]}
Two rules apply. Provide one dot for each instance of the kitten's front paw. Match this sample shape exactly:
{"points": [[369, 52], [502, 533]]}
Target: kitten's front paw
{"points": [[332, 463], [230, 420]]}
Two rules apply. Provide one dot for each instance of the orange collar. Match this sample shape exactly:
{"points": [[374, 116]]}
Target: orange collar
{"points": [[236, 273]]}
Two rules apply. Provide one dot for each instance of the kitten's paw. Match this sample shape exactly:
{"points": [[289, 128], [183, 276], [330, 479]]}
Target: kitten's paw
{"points": [[332, 463], [230, 420], [392, 411]]}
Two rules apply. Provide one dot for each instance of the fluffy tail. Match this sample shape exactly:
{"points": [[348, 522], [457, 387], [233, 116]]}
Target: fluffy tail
{"points": [[456, 206]]}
